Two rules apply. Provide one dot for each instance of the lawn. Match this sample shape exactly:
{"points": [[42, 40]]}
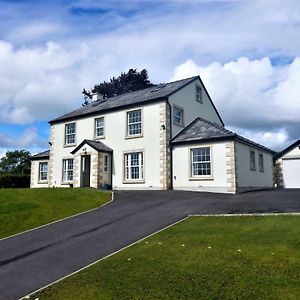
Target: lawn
{"points": [[199, 258], [23, 209]]}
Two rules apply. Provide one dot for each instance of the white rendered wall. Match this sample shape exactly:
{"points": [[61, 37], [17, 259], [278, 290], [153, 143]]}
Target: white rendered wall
{"points": [[115, 137], [186, 99], [182, 169], [250, 178]]}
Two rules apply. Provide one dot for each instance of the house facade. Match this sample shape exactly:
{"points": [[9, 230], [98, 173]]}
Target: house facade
{"points": [[151, 139]]}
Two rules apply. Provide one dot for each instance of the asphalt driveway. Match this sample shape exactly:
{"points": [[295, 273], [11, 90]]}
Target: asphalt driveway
{"points": [[34, 259]]}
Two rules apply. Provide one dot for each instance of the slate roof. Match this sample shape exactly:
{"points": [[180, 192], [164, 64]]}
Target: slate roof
{"points": [[97, 145], [42, 155], [201, 130], [151, 94], [287, 149]]}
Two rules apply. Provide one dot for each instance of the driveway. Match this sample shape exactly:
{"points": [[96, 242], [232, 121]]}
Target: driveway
{"points": [[34, 259]]}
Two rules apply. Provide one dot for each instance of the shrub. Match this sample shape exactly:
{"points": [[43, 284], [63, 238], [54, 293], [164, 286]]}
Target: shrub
{"points": [[14, 181]]}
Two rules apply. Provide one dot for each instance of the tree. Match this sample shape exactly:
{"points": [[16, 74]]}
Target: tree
{"points": [[126, 82], [15, 162]]}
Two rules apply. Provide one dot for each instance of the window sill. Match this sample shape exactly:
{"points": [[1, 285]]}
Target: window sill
{"points": [[261, 171], [251, 169], [67, 182], [127, 137], [133, 181], [42, 181], [199, 178], [99, 137], [179, 125], [69, 145]]}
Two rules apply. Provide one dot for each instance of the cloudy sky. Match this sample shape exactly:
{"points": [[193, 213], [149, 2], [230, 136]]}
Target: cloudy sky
{"points": [[246, 52]]}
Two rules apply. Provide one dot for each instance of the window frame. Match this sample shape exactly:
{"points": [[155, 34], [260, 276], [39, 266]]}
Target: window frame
{"points": [[65, 178], [127, 166], [191, 162], [96, 128], [140, 134], [199, 88], [105, 163], [252, 165], [40, 180], [68, 134], [181, 109], [261, 165]]}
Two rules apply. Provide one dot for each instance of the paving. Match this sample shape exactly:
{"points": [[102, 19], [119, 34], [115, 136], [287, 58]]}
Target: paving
{"points": [[34, 259]]}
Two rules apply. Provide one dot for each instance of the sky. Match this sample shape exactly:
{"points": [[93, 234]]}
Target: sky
{"points": [[246, 52]]}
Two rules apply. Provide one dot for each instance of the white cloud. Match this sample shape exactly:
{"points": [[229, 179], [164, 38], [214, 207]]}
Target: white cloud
{"points": [[252, 95]]}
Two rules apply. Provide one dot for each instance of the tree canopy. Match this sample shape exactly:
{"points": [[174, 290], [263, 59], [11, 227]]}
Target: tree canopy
{"points": [[130, 81], [15, 162]]}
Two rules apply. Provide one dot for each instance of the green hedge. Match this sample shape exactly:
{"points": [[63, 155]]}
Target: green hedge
{"points": [[14, 181]]}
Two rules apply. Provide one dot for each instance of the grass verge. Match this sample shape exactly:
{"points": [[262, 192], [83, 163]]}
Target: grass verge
{"points": [[200, 258], [23, 209]]}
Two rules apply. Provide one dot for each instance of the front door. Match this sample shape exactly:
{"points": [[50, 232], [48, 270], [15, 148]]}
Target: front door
{"points": [[85, 170]]}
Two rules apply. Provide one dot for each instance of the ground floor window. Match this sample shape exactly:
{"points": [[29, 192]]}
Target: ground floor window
{"points": [[43, 171], [261, 163], [68, 165], [134, 166], [201, 161]]}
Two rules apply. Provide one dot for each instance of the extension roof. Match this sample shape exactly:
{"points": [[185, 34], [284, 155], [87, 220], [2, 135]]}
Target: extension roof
{"points": [[97, 145], [288, 149], [155, 93], [42, 155], [201, 130]]}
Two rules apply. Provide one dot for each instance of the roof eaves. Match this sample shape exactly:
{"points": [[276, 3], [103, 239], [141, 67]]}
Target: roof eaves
{"points": [[205, 140]]}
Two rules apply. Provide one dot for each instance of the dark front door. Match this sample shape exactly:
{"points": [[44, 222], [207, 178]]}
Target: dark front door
{"points": [[85, 170]]}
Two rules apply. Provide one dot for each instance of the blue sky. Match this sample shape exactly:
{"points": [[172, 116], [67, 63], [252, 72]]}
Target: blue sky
{"points": [[246, 52]]}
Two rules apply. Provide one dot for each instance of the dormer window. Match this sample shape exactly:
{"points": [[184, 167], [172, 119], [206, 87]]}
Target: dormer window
{"points": [[70, 131], [199, 94]]}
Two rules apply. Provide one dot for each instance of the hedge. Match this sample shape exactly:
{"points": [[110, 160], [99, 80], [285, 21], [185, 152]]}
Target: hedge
{"points": [[14, 181]]}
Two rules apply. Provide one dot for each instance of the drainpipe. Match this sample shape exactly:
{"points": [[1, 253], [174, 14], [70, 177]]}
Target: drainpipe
{"points": [[171, 148]]}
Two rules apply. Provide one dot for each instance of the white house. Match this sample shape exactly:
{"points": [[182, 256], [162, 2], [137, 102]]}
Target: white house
{"points": [[167, 136], [288, 166]]}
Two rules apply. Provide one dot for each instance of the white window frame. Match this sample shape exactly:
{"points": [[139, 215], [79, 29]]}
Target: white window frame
{"points": [[199, 94], [193, 163], [129, 167], [252, 161], [42, 171], [68, 173], [99, 127], [128, 123], [69, 134], [181, 119], [261, 162]]}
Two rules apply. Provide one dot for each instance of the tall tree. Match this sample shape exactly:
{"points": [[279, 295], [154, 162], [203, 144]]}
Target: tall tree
{"points": [[126, 82], [15, 162]]}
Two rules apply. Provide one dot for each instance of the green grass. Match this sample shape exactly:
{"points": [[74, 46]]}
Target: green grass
{"points": [[23, 209], [267, 267]]}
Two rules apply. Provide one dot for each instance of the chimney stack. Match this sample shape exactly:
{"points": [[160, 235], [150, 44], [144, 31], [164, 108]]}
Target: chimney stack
{"points": [[97, 96]]}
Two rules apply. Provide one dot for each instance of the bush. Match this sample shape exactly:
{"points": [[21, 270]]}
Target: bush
{"points": [[14, 181]]}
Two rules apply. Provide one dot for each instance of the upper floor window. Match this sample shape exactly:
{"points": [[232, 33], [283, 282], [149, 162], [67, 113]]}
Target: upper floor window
{"points": [[201, 161], [43, 171], [134, 166], [199, 94], [252, 161], [261, 162], [70, 131], [68, 166], [178, 116], [99, 127], [134, 122]]}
